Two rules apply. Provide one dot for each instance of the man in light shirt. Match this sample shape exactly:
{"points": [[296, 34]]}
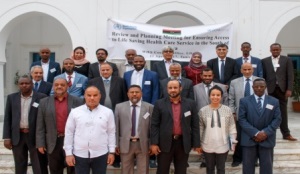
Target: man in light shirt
{"points": [[90, 138]]}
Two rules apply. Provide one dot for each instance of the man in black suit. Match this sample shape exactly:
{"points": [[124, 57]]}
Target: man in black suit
{"points": [[50, 126], [278, 72], [20, 125], [39, 85], [50, 68], [162, 67], [94, 70], [224, 68], [174, 130]]}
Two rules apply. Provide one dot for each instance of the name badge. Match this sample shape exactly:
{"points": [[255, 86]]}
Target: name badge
{"points": [[52, 70], [78, 85], [254, 66], [146, 115], [268, 106], [35, 104], [147, 83], [276, 65], [188, 113]]}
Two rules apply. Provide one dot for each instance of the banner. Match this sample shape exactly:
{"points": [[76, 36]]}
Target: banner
{"points": [[148, 40]]}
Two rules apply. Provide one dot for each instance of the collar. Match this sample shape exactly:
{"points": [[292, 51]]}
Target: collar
{"points": [[42, 63], [171, 61], [39, 82], [109, 78], [222, 59], [262, 97], [72, 75], [127, 64], [250, 78], [28, 96], [140, 72], [249, 57], [64, 97], [88, 108], [275, 57], [173, 102], [139, 103]]}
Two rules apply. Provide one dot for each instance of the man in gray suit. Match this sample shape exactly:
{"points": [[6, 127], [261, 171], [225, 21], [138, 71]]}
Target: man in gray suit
{"points": [[50, 130], [134, 115]]}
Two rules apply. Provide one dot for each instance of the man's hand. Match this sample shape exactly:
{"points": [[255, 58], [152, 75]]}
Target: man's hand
{"points": [[261, 136], [155, 149], [288, 93], [42, 150], [70, 160], [110, 159], [117, 151], [234, 116], [8, 144], [198, 149]]}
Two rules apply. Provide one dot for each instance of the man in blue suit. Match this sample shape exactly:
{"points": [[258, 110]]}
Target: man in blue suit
{"points": [[259, 117], [256, 63], [50, 69], [39, 85], [147, 80], [77, 83]]}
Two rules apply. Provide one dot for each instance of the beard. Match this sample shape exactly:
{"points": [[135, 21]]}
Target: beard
{"points": [[174, 95]]}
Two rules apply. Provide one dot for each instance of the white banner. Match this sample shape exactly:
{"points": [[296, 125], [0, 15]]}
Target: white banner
{"points": [[148, 40]]}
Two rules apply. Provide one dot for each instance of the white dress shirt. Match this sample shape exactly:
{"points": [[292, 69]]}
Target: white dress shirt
{"points": [[137, 77], [275, 61], [167, 64], [25, 109], [45, 67], [90, 134]]}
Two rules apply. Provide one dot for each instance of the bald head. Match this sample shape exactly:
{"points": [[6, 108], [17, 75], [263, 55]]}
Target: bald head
{"points": [[247, 70]]}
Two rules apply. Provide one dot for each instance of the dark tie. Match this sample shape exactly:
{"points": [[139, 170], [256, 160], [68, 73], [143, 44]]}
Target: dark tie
{"points": [[247, 88], [208, 87], [36, 85], [133, 119], [69, 81], [246, 59], [222, 71], [259, 105]]}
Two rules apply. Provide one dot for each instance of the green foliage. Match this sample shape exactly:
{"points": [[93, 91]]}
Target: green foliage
{"points": [[296, 86]]}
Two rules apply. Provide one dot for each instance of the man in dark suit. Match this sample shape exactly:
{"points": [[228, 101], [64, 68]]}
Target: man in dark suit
{"points": [[39, 84], [50, 68], [186, 84], [247, 58], [94, 70], [147, 80], [20, 125], [224, 68], [259, 117], [279, 75], [162, 67], [50, 129], [174, 130]]}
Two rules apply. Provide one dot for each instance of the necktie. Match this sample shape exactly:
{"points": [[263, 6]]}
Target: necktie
{"points": [[106, 81], [208, 87], [259, 105], [246, 59], [222, 71], [36, 86], [247, 88], [69, 81], [133, 118]]}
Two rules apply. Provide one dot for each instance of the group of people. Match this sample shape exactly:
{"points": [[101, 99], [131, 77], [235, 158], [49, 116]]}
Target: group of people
{"points": [[85, 115]]}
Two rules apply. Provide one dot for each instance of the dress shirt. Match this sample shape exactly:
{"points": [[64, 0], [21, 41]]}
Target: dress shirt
{"points": [[72, 77], [90, 133], [249, 59], [25, 108], [137, 78], [275, 61], [137, 117], [39, 83], [45, 67], [109, 79], [61, 113], [176, 112], [220, 63], [128, 67], [251, 83], [167, 64]]}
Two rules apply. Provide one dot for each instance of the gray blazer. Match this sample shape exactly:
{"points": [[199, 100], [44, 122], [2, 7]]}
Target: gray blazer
{"points": [[46, 132], [123, 126], [201, 96]]}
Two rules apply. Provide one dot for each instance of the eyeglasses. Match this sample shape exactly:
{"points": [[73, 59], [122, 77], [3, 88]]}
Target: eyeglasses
{"points": [[168, 51]]}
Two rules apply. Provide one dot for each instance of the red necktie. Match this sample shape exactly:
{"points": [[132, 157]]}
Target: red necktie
{"points": [[69, 81]]}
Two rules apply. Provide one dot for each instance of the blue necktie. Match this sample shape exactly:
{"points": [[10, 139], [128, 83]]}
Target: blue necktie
{"points": [[222, 71], [133, 119], [106, 81], [247, 88], [36, 85], [259, 105]]}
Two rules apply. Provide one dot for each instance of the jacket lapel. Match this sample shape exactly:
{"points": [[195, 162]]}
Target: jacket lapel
{"points": [[142, 113], [52, 108], [70, 103], [202, 90]]}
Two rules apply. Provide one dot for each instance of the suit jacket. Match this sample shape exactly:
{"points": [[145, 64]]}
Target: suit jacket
{"points": [[284, 74], [256, 64], [45, 88], [12, 117], [117, 92], [186, 84], [251, 121], [201, 97], [122, 68], [160, 69], [54, 70], [123, 124], [162, 124], [46, 130], [150, 87], [94, 70], [231, 71], [78, 86]]}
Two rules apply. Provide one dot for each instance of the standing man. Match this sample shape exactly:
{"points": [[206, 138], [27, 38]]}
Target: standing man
{"points": [[186, 84], [94, 70], [259, 117], [50, 68], [134, 115], [174, 130], [147, 80], [39, 85], [20, 124], [224, 68], [76, 82], [240, 88], [247, 58], [279, 75], [50, 132], [128, 64], [162, 67], [90, 135]]}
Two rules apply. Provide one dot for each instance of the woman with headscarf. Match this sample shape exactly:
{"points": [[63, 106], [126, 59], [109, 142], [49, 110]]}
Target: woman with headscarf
{"points": [[81, 63], [195, 67]]}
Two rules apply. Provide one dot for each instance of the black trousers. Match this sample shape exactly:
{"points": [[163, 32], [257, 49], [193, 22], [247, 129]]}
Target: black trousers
{"points": [[215, 160], [238, 153]]}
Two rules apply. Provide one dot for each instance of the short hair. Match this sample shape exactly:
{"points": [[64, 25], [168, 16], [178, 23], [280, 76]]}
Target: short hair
{"points": [[140, 56], [102, 50], [130, 50], [134, 86], [34, 67], [221, 45], [175, 81], [207, 69], [246, 43], [92, 86], [68, 59], [105, 63], [59, 78], [175, 64], [217, 88], [167, 47], [275, 44], [260, 80], [79, 48], [25, 76]]}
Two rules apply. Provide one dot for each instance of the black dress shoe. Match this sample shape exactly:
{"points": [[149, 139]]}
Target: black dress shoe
{"points": [[116, 165], [152, 164], [202, 165], [235, 163]]}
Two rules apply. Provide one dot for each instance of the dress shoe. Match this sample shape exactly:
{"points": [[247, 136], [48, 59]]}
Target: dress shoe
{"points": [[290, 138], [235, 163], [116, 165], [202, 165], [152, 164]]}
